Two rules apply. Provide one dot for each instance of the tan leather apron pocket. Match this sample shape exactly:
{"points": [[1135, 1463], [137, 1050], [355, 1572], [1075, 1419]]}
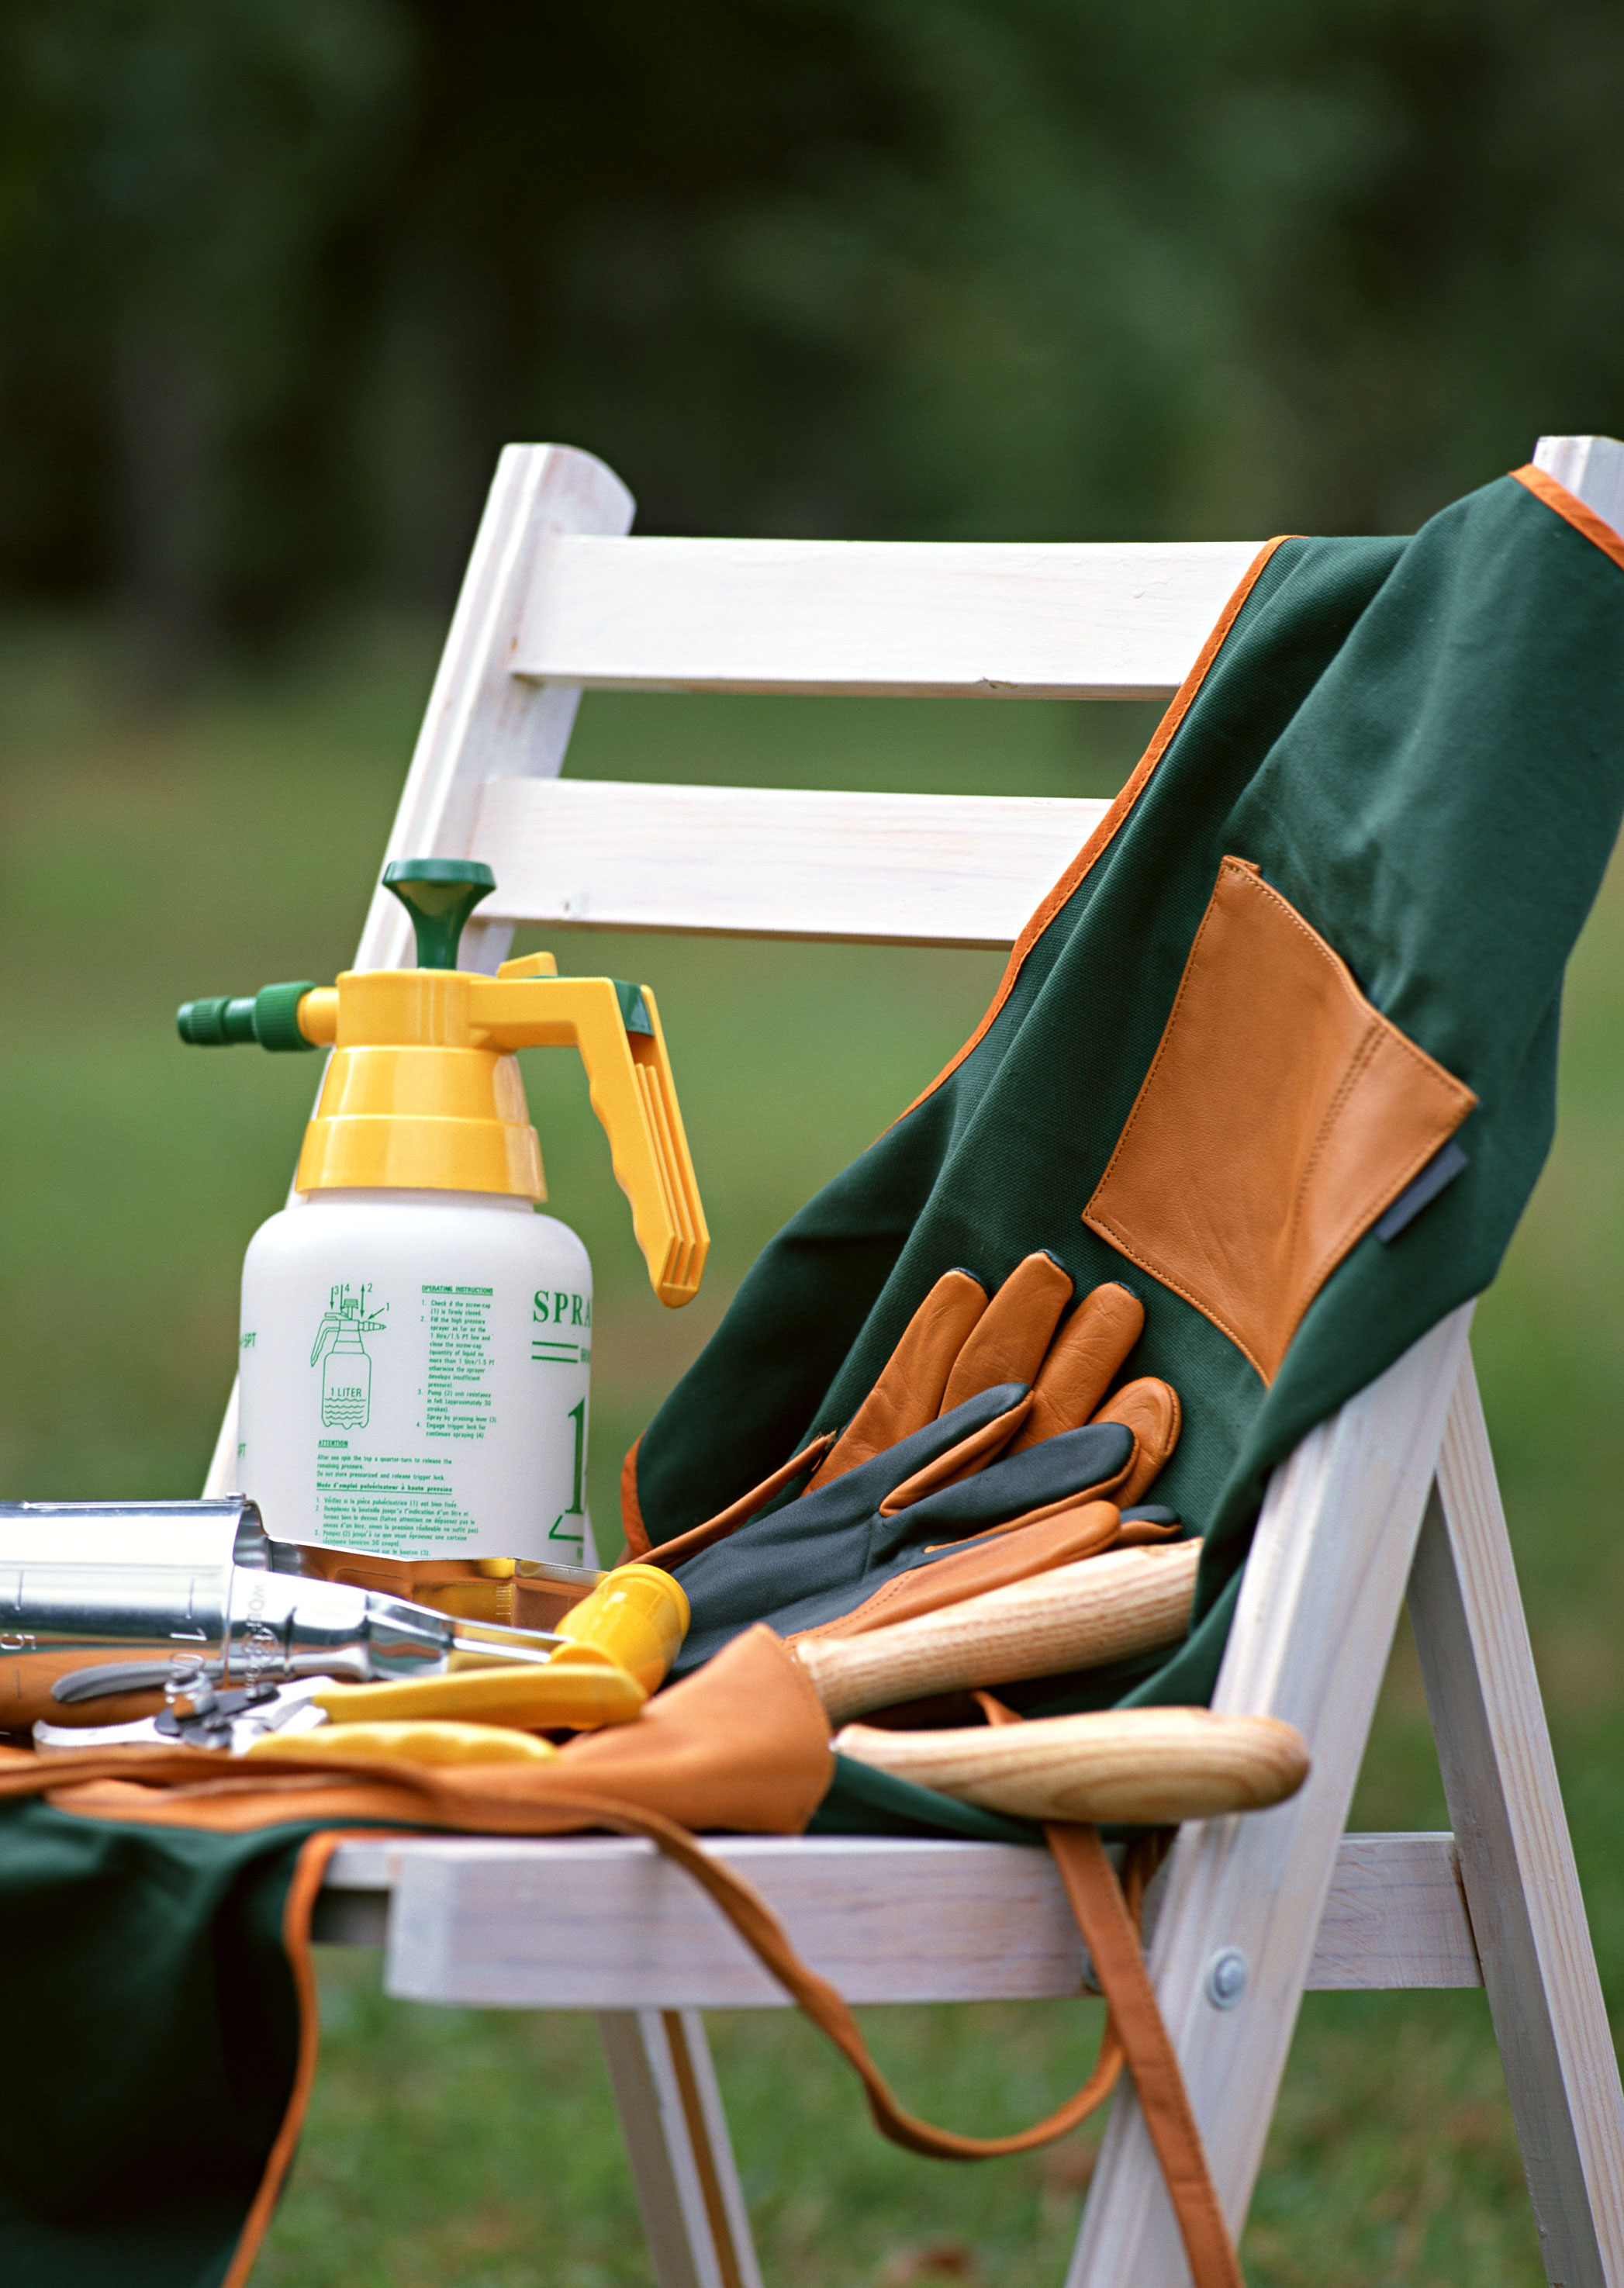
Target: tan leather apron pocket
{"points": [[1280, 1115]]}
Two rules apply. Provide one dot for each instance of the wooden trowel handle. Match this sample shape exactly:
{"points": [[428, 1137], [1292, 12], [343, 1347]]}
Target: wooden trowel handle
{"points": [[1142, 1766], [1080, 1615]]}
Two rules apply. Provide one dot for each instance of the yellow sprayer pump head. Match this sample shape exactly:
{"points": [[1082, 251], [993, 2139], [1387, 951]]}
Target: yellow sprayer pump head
{"points": [[423, 1092]]}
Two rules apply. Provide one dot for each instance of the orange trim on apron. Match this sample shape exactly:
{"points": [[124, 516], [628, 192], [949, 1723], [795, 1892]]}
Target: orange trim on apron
{"points": [[1106, 831], [309, 1874], [1577, 512], [631, 1510]]}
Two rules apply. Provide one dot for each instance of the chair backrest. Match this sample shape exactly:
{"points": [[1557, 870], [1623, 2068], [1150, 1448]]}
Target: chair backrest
{"points": [[559, 600]]}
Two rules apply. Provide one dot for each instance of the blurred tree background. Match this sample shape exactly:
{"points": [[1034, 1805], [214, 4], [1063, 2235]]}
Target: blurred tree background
{"points": [[278, 278]]}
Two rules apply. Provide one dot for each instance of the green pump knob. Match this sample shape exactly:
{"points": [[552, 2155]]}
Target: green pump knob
{"points": [[439, 893]]}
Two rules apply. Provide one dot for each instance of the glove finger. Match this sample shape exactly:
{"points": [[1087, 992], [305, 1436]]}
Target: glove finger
{"points": [[1150, 1409], [681, 1546], [1082, 1362], [1039, 1479], [966, 1455], [925, 1581], [1056, 1471], [1147, 1528], [1010, 1337], [783, 1555], [913, 1382], [854, 1498]]}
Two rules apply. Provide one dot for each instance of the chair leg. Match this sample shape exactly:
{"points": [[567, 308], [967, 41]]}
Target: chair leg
{"points": [[1310, 1642], [676, 2141], [1517, 1862]]}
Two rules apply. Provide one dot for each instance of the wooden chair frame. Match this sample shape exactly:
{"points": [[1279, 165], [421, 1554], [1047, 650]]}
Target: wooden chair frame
{"points": [[1394, 1497]]}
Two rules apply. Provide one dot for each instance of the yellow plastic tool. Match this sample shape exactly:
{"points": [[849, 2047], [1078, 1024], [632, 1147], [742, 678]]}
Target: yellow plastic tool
{"points": [[636, 1617], [568, 1694], [411, 1743], [422, 1092]]}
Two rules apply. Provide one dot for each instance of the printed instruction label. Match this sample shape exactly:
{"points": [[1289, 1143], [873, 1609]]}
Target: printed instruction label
{"points": [[456, 1395], [386, 1503]]}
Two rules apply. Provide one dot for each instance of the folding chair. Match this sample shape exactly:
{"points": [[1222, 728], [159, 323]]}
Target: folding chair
{"points": [[1393, 1496]]}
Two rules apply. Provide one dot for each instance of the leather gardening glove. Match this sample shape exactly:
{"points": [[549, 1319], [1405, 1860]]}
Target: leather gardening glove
{"points": [[958, 1343], [912, 1391], [952, 1403], [821, 1555]]}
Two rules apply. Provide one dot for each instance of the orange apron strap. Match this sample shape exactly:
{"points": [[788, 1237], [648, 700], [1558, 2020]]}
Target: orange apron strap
{"points": [[1110, 1928], [1118, 1957]]}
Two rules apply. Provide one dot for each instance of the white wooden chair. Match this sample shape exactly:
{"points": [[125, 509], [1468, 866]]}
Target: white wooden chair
{"points": [[1395, 1495]]}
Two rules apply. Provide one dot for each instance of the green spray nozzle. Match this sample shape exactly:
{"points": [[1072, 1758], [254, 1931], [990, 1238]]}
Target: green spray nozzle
{"points": [[270, 1017], [438, 894]]}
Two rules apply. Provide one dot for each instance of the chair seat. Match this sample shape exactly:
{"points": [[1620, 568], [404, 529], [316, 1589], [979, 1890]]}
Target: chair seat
{"points": [[605, 1923]]}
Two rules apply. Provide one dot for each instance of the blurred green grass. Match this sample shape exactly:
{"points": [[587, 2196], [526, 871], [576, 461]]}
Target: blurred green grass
{"points": [[146, 856]]}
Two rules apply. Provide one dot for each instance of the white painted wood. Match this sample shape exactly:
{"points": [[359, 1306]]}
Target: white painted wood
{"points": [[677, 2142], [1593, 467], [585, 1923], [1310, 1640], [1055, 620], [756, 861], [1395, 1916], [481, 717], [594, 1923], [1516, 1861]]}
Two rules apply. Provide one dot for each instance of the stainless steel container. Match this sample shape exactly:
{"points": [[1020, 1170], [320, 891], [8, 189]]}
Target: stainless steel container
{"points": [[103, 1605]]}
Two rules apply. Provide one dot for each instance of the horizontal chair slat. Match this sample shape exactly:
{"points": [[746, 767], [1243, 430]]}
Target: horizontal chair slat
{"points": [[1057, 620], [754, 862], [594, 1923]]}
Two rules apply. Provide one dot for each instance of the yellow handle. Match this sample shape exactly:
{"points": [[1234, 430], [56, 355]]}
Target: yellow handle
{"points": [[576, 1694], [629, 1078], [637, 1616], [411, 1744]]}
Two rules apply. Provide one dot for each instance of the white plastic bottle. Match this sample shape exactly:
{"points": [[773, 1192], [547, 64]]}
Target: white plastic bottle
{"points": [[415, 1369], [416, 1340]]}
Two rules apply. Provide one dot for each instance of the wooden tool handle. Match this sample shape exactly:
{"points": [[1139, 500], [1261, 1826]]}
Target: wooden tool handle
{"points": [[1078, 1615], [1143, 1767]]}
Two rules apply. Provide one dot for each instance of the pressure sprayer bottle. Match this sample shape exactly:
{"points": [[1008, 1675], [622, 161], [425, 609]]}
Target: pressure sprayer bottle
{"points": [[415, 1342]]}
